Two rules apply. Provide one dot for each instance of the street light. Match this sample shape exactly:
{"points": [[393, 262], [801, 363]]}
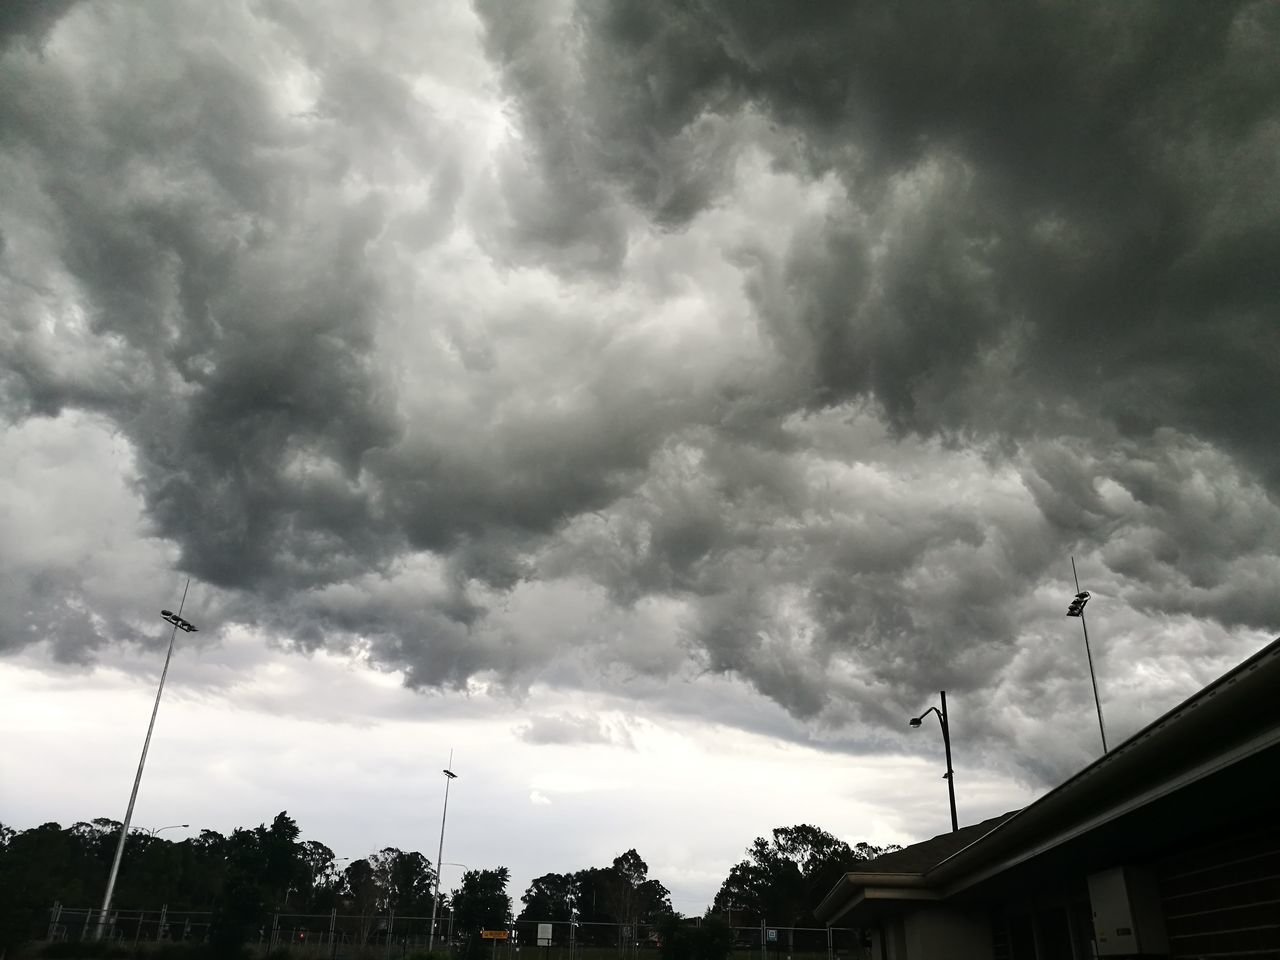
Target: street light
{"points": [[949, 776], [178, 624], [435, 897], [173, 826], [1076, 609]]}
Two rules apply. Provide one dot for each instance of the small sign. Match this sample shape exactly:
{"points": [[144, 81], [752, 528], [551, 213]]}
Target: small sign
{"points": [[544, 934], [493, 934], [772, 936]]}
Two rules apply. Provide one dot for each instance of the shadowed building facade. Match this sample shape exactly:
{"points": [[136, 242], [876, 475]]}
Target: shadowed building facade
{"points": [[1168, 846]]}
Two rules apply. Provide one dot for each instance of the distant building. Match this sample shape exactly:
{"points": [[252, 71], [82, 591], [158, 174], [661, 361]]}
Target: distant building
{"points": [[1168, 846]]}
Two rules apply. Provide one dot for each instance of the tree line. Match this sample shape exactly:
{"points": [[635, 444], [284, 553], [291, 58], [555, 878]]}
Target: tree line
{"points": [[243, 877]]}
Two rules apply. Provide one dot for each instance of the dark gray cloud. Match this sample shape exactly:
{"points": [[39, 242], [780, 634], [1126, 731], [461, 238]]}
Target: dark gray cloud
{"points": [[30, 20], [611, 344], [1045, 202]]}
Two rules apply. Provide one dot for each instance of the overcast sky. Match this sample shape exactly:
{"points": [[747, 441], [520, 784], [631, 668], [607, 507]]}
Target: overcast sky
{"points": [[656, 404]]}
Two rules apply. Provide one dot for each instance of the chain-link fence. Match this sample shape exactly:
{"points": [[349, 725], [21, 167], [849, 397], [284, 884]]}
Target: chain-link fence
{"points": [[371, 935], [611, 941]]}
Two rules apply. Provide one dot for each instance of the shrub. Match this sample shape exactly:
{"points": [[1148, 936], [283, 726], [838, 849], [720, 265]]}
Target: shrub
{"points": [[711, 940]]}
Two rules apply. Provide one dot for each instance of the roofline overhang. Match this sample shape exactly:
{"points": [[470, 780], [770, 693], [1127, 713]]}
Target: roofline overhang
{"points": [[861, 888], [1117, 783]]}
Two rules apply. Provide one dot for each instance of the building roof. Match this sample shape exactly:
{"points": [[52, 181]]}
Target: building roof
{"points": [[924, 856], [1228, 725]]}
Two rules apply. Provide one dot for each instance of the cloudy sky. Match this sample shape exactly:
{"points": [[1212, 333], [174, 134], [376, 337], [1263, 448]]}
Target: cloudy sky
{"points": [[653, 403]]}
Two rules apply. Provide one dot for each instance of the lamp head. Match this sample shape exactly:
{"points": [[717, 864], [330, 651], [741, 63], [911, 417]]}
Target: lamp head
{"points": [[915, 721], [450, 774], [178, 621]]}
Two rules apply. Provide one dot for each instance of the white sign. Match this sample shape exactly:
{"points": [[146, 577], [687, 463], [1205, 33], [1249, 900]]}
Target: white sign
{"points": [[773, 936], [544, 934]]}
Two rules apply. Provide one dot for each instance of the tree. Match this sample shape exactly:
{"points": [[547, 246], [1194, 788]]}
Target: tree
{"points": [[481, 903], [632, 897], [782, 878], [319, 875], [282, 863], [404, 880], [552, 897], [360, 887], [262, 865], [242, 905]]}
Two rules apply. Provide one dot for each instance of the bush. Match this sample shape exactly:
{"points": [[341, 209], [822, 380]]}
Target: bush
{"points": [[114, 950], [87, 950], [711, 940]]}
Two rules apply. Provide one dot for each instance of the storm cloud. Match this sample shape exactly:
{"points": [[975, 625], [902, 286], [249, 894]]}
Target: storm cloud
{"points": [[611, 345]]}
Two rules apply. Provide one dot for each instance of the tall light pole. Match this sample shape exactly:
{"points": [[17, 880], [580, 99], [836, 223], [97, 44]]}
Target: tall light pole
{"points": [[178, 624], [949, 776], [435, 897], [1076, 609]]}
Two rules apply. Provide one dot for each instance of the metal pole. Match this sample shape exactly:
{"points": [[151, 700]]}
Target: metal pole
{"points": [[435, 898], [1097, 701], [137, 780], [951, 780]]}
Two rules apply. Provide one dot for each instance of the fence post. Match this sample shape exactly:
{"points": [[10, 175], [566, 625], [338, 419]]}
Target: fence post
{"points": [[275, 931], [391, 925], [831, 952], [54, 912], [164, 919], [333, 922]]}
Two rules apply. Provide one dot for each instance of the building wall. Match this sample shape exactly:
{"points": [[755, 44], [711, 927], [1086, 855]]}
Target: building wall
{"points": [[1222, 897], [938, 932]]}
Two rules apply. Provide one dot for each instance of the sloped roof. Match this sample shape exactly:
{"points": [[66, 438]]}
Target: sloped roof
{"points": [[1229, 721], [924, 856]]}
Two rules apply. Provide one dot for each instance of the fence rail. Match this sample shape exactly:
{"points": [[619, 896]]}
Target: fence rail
{"points": [[335, 934]]}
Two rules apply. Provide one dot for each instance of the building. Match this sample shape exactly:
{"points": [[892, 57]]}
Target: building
{"points": [[1168, 846]]}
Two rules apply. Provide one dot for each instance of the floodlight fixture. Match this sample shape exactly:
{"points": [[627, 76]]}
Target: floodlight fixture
{"points": [[178, 622]]}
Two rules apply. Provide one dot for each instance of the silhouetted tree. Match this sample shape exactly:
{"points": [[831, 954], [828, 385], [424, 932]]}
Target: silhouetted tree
{"points": [[242, 906], [361, 890], [551, 896], [633, 897], [780, 879], [404, 880], [481, 903]]}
